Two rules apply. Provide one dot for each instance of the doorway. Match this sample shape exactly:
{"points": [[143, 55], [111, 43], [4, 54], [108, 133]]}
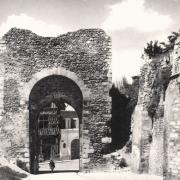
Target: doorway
{"points": [[75, 149], [55, 107]]}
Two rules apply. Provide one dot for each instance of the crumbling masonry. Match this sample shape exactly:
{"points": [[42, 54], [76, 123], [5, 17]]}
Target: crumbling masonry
{"points": [[155, 121], [35, 70]]}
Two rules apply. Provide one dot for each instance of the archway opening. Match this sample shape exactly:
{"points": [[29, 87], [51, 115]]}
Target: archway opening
{"points": [[55, 112]]}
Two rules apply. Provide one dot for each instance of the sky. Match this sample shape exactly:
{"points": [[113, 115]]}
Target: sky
{"points": [[129, 23]]}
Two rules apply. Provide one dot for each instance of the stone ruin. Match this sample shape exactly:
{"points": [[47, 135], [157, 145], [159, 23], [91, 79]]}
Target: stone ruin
{"points": [[155, 121], [34, 71], [76, 68]]}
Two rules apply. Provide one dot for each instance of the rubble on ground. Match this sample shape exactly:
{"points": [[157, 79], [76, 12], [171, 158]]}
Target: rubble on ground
{"points": [[119, 160], [4, 162]]}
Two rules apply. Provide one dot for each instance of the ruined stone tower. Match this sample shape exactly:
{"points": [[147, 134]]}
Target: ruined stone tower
{"points": [[34, 71], [155, 121]]}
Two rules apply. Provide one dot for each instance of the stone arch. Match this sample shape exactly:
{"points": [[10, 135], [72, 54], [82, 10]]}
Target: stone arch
{"points": [[56, 88], [55, 71], [34, 89], [71, 58], [28, 88]]}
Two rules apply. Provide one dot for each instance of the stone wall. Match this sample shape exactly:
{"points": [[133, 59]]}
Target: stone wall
{"points": [[2, 56], [156, 124], [82, 56], [147, 119], [172, 122]]}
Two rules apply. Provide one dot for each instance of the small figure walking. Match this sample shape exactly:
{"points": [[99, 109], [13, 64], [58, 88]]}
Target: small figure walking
{"points": [[52, 165]]}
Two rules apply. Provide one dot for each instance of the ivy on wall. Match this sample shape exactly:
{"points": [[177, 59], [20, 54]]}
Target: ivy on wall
{"points": [[159, 87]]}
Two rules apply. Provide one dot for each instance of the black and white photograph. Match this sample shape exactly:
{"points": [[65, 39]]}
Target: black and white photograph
{"points": [[89, 89]]}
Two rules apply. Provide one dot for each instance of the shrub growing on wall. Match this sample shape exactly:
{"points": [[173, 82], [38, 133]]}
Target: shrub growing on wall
{"points": [[153, 49], [160, 83], [162, 75]]}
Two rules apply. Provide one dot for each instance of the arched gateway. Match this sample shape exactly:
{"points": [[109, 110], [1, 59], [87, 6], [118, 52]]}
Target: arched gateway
{"points": [[40, 78], [47, 124]]}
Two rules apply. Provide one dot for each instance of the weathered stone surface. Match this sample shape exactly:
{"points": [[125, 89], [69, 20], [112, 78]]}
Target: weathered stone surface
{"points": [[25, 59], [147, 119], [156, 145]]}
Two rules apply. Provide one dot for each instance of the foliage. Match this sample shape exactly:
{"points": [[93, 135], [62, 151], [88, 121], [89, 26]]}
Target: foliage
{"points": [[161, 80], [171, 41], [125, 87], [153, 49], [124, 99], [159, 87], [172, 38], [131, 91]]}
